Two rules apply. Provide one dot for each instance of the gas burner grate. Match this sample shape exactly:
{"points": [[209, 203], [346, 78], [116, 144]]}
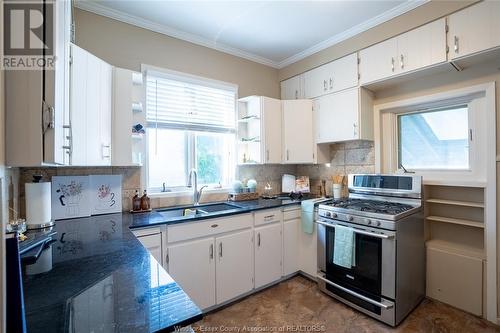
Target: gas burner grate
{"points": [[371, 206]]}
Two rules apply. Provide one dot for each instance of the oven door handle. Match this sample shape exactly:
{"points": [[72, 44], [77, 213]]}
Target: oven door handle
{"points": [[361, 232], [355, 294]]}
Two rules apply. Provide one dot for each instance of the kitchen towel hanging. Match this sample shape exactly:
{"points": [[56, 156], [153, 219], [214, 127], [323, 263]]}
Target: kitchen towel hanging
{"points": [[344, 248], [307, 215]]}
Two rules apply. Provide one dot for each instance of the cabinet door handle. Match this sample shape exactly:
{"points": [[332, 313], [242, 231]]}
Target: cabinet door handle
{"points": [[258, 239], [331, 83], [402, 61], [108, 147], [211, 251], [220, 249], [296, 94], [354, 129], [325, 85], [287, 154], [455, 44], [392, 64]]}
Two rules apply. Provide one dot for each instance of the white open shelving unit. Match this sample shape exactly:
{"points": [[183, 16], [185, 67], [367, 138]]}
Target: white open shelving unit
{"points": [[249, 131], [128, 110]]}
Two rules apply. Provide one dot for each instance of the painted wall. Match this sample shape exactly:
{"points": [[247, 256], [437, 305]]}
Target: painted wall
{"points": [[408, 21], [128, 46]]}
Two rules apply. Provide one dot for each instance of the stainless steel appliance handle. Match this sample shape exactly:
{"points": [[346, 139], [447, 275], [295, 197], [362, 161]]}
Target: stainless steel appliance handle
{"points": [[361, 232], [355, 294]]}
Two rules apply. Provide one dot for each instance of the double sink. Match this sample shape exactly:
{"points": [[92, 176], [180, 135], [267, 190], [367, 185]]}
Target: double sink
{"points": [[201, 210]]}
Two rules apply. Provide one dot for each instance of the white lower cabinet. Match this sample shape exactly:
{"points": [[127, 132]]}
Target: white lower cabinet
{"points": [[291, 246], [234, 272], [213, 270], [267, 254], [192, 265]]}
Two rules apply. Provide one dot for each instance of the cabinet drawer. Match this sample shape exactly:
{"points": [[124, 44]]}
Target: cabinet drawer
{"points": [[267, 216], [146, 231], [291, 214], [205, 228]]}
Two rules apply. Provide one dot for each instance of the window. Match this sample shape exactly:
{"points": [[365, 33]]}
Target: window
{"points": [[190, 124], [436, 139]]}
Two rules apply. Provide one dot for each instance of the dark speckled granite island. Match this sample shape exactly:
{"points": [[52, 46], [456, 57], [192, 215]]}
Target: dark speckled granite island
{"points": [[103, 280]]}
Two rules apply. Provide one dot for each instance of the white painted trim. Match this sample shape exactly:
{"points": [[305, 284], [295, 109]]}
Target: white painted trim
{"points": [[121, 16], [357, 29], [490, 164]]}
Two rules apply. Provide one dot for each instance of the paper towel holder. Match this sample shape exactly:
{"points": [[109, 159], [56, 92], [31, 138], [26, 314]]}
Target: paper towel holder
{"points": [[48, 224]]}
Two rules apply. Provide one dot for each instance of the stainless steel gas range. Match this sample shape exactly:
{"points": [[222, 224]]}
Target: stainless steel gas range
{"points": [[387, 277]]}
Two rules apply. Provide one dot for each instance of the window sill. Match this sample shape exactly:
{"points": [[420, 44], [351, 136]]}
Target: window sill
{"points": [[185, 193]]}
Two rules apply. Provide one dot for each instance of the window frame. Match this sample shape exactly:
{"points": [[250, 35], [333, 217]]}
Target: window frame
{"points": [[190, 133], [444, 107]]}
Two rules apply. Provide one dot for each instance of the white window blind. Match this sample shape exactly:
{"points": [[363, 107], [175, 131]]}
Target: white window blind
{"points": [[178, 104]]}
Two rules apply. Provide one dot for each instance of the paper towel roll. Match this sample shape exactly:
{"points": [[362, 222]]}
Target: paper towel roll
{"points": [[38, 204]]}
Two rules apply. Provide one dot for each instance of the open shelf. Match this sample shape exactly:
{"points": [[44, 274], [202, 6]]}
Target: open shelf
{"points": [[469, 223], [248, 119], [456, 203], [137, 136], [457, 248]]}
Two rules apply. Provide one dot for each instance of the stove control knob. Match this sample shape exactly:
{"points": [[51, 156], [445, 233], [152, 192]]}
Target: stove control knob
{"points": [[334, 215], [368, 221], [328, 214], [350, 218], [378, 223]]}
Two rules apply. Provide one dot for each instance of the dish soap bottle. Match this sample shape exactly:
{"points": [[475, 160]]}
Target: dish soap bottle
{"points": [[136, 201], [145, 202]]}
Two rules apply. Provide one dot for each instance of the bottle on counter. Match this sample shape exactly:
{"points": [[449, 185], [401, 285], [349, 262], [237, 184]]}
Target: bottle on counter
{"points": [[145, 201], [136, 201]]}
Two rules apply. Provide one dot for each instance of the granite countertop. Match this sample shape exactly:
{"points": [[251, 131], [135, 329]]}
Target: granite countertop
{"points": [[96, 276], [162, 216]]}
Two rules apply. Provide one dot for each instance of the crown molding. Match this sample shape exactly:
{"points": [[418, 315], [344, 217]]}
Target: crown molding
{"points": [[169, 31], [357, 29], [96, 8]]}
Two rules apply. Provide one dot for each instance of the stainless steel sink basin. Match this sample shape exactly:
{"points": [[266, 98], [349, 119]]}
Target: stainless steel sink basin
{"points": [[201, 210]]}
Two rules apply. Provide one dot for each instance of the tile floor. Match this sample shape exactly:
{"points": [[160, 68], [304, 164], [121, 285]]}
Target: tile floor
{"points": [[298, 302]]}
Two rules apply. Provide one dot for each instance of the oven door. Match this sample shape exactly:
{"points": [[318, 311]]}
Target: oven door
{"points": [[370, 283]]}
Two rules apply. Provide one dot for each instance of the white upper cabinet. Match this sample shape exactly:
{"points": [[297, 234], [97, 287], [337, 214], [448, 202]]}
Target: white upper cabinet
{"points": [[334, 76], [298, 138], [343, 116], [91, 109], [293, 88], [474, 29], [37, 104], [416, 49], [259, 130]]}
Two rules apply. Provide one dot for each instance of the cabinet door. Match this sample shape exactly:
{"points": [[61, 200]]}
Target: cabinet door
{"points": [[342, 73], [105, 111], [337, 116], [267, 254], [234, 265], [291, 246], [78, 106], [474, 29], [292, 88], [192, 265], [298, 131], [315, 82], [153, 244], [422, 47], [92, 125], [271, 122], [378, 61]]}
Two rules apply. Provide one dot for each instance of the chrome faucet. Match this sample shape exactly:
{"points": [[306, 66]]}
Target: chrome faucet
{"points": [[193, 182]]}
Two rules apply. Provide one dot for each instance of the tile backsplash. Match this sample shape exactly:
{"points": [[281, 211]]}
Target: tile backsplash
{"points": [[349, 157]]}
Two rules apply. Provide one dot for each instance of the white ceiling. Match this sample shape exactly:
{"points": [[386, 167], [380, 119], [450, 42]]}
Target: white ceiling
{"points": [[275, 33]]}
